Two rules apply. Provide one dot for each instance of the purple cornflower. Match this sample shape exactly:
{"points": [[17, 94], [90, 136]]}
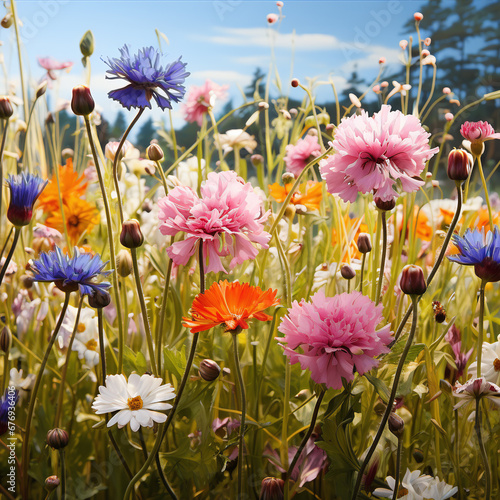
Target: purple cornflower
{"points": [[80, 272], [24, 191], [7, 403], [146, 78], [480, 252]]}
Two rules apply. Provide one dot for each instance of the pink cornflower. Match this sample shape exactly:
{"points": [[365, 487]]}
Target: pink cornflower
{"points": [[298, 155], [228, 218], [373, 153], [199, 99], [337, 336], [272, 18], [476, 133], [476, 388]]}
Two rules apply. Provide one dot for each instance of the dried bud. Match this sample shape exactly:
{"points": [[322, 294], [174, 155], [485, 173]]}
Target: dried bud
{"points": [[347, 272], [67, 153], [439, 312], [27, 281], [124, 263], [6, 110], [418, 456], [396, 425], [5, 340], [51, 483], [364, 243], [100, 299], [295, 82], [385, 205], [82, 102], [412, 280], [41, 89], [7, 21], [459, 165], [131, 235], [209, 370], [257, 160], [49, 120], [155, 153], [57, 438], [287, 178], [272, 489]]}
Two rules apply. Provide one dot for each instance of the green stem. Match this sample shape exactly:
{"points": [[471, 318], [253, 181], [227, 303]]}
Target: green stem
{"points": [[34, 392], [17, 233], [144, 312], [117, 159], [100, 328], [161, 322], [482, 449], [63, 474], [60, 398], [2, 147], [363, 259], [172, 133], [21, 72], [382, 260], [243, 413], [112, 254], [398, 469], [486, 195], [481, 328], [390, 402]]}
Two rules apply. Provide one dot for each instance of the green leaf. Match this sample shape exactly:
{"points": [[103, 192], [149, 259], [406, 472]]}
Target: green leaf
{"points": [[380, 387], [133, 362], [397, 351], [175, 362]]}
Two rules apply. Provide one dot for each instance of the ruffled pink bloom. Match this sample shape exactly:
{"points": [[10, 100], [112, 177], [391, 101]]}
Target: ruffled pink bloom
{"points": [[228, 218], [373, 153], [474, 389], [477, 132], [199, 99], [337, 335], [52, 65], [298, 155]]}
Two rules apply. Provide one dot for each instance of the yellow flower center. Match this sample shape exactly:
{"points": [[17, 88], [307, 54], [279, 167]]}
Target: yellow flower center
{"points": [[135, 403], [81, 327], [402, 492], [496, 365], [91, 345]]}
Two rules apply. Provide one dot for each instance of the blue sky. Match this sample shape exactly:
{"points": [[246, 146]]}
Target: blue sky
{"points": [[224, 40]]}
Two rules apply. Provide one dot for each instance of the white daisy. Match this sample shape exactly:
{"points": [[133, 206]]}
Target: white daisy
{"points": [[475, 388], [411, 487], [439, 490], [87, 321], [86, 343], [134, 401], [490, 362]]}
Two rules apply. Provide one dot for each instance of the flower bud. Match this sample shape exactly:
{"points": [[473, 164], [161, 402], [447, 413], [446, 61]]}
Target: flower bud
{"points": [[6, 110], [131, 235], [295, 82], [5, 340], [82, 102], [385, 205], [272, 489], [41, 89], [155, 153], [418, 16], [49, 120], [27, 281], [209, 370], [459, 165], [439, 312], [364, 243], [51, 483], [67, 153], [100, 299], [87, 44], [396, 425], [57, 438], [124, 263], [288, 178], [7, 21], [257, 160], [418, 456], [347, 272], [412, 280]]}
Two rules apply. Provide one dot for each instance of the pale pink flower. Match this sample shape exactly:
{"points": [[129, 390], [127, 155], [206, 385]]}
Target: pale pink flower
{"points": [[228, 218], [337, 335], [52, 65], [373, 153], [418, 16], [272, 18], [429, 60], [448, 117], [381, 60], [298, 155], [478, 132], [354, 100], [384, 84], [476, 388], [199, 99], [403, 44], [427, 42], [376, 89], [446, 90], [425, 53]]}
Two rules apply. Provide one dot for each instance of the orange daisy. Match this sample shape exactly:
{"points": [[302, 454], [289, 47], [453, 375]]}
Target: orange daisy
{"points": [[80, 216], [71, 186], [309, 194], [231, 305]]}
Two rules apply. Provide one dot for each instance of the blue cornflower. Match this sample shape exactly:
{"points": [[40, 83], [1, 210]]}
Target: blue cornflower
{"points": [[7, 402], [480, 252], [81, 272], [146, 78], [24, 191]]}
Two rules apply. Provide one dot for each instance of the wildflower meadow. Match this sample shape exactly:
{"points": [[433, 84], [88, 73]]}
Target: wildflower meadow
{"points": [[271, 297]]}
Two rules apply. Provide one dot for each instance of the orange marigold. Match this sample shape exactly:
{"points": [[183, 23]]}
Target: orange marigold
{"points": [[72, 186], [309, 194], [80, 216], [231, 305]]}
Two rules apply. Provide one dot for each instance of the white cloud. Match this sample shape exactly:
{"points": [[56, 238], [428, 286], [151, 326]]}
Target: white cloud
{"points": [[221, 77]]}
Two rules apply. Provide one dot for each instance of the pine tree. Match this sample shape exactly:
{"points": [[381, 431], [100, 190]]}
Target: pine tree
{"points": [[119, 126]]}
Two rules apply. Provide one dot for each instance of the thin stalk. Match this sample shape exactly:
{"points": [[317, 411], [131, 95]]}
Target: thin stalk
{"points": [[392, 396], [243, 413], [144, 312], [482, 449], [34, 392], [172, 133], [363, 259], [457, 454], [2, 147], [398, 469], [216, 136], [63, 473], [6, 241], [438, 261], [481, 328], [112, 254], [21, 72], [382, 260], [100, 328], [117, 159], [143, 444], [161, 322], [64, 370], [119, 453], [376, 256], [17, 233], [420, 81], [486, 195]]}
